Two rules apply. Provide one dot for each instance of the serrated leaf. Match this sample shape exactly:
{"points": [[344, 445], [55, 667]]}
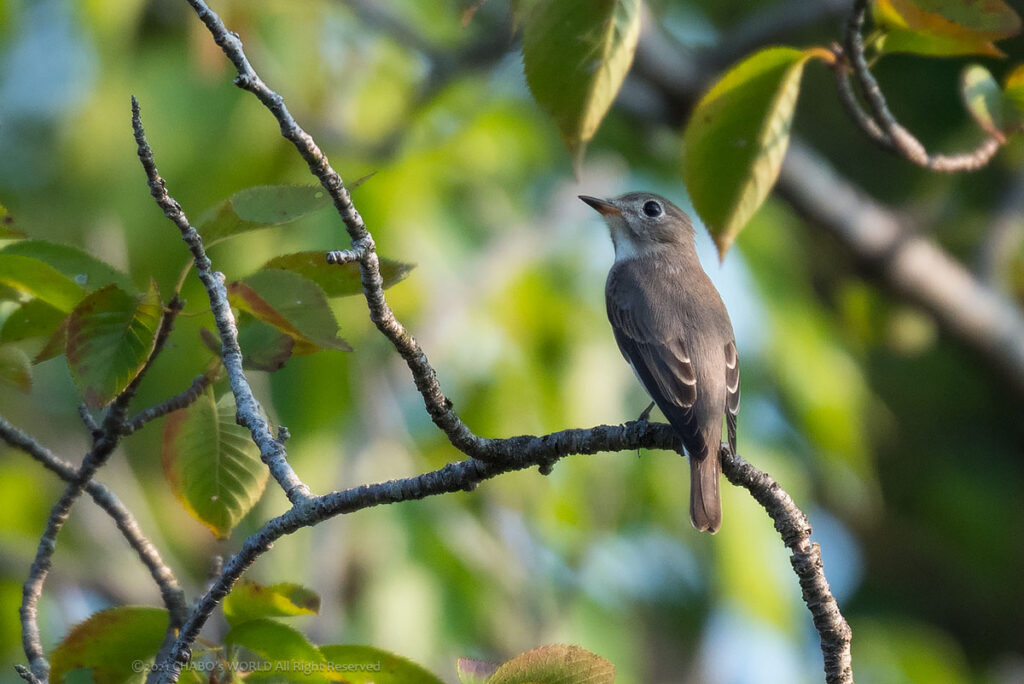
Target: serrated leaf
{"points": [[249, 601], [8, 231], [294, 305], [369, 665], [40, 280], [82, 268], [15, 368], [558, 663], [291, 656], [110, 334], [259, 207], [737, 136], [34, 318], [336, 280], [211, 463], [472, 671], [108, 643], [945, 27], [576, 54], [983, 99]]}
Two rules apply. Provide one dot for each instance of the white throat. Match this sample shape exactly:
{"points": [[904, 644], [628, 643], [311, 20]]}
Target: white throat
{"points": [[625, 247]]}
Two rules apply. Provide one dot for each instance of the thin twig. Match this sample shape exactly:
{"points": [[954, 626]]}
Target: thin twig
{"points": [[103, 446], [880, 125], [178, 401], [795, 530], [488, 457], [437, 404], [249, 412], [170, 591]]}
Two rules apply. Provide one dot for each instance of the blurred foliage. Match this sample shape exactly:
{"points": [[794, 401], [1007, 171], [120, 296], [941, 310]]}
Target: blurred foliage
{"points": [[904, 447]]}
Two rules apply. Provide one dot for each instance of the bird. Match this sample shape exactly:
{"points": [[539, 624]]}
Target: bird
{"points": [[673, 329]]}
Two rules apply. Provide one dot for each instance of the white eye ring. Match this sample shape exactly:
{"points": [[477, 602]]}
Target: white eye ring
{"points": [[653, 209]]}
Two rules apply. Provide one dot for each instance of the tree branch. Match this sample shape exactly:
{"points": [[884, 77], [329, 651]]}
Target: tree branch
{"points": [[178, 401], [249, 411], [104, 443], [880, 125], [170, 591], [488, 457]]}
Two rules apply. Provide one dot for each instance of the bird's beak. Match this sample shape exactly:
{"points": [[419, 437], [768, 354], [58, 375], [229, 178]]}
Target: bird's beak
{"points": [[603, 207]]}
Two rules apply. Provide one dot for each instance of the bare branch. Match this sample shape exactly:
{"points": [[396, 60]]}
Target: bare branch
{"points": [[249, 412], [104, 443], [488, 457], [178, 401], [795, 530], [881, 126], [170, 591]]}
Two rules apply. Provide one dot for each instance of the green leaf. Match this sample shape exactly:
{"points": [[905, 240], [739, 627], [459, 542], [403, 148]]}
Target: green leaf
{"points": [[7, 229], [1013, 98], [40, 280], [110, 643], [84, 269], [291, 656], [15, 368], [34, 318], [737, 137], [474, 671], [576, 54], [249, 601], [973, 19], [983, 99], [212, 464], [294, 305], [110, 335], [935, 45], [945, 27], [264, 348], [258, 207], [557, 663], [336, 280], [369, 665]]}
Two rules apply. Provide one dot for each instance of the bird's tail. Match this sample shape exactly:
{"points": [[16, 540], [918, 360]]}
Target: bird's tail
{"points": [[705, 501]]}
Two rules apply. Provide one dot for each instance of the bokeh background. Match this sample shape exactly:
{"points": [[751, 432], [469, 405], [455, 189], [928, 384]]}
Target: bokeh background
{"points": [[903, 445]]}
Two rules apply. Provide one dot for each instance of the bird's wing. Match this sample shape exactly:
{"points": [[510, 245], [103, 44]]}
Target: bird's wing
{"points": [[659, 357], [732, 386]]}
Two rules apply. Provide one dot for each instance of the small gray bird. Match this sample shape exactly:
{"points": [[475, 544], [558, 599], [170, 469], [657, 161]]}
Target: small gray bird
{"points": [[672, 327]]}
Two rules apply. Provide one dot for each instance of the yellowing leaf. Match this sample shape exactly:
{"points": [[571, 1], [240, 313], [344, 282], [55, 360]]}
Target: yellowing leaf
{"points": [[945, 27], [369, 665], [558, 663], [983, 99], [249, 601], [988, 19], [110, 334], [576, 54], [212, 464], [737, 136], [111, 643], [1013, 98]]}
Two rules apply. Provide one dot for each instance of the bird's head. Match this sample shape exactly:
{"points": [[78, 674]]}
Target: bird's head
{"points": [[640, 222]]}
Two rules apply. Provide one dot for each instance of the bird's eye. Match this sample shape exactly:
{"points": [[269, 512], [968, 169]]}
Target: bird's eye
{"points": [[652, 209]]}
